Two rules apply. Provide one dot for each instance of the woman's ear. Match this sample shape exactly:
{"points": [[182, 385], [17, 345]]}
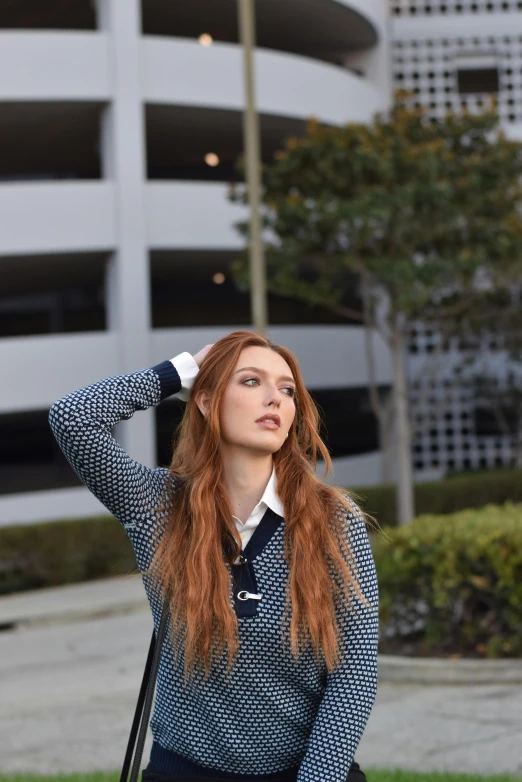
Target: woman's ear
{"points": [[203, 402]]}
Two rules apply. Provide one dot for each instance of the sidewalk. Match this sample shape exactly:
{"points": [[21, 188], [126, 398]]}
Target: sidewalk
{"points": [[124, 595], [89, 599], [72, 662]]}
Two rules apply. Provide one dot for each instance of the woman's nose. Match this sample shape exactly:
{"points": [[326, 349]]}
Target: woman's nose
{"points": [[275, 396]]}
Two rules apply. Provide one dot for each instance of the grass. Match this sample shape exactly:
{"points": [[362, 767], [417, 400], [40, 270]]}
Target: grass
{"points": [[377, 775], [412, 776]]}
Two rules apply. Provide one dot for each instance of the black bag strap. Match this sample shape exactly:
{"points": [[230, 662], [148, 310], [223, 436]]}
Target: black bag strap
{"points": [[145, 698]]}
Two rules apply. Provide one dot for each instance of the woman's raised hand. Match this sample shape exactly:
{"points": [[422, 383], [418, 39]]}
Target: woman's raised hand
{"points": [[198, 357]]}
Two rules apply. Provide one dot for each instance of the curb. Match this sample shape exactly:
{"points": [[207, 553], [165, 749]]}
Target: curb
{"points": [[64, 617], [72, 602], [434, 670], [125, 595]]}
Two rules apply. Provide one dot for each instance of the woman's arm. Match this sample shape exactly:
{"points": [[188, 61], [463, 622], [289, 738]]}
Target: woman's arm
{"points": [[82, 421], [351, 689]]}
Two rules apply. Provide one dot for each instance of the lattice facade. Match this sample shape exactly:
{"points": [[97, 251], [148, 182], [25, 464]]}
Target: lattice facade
{"points": [[430, 68], [438, 67], [449, 436], [448, 7]]}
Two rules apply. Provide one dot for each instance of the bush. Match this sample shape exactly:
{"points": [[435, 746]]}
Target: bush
{"points": [[449, 495], [452, 584], [63, 552]]}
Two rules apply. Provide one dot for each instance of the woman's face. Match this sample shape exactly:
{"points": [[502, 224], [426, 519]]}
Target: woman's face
{"points": [[261, 385]]}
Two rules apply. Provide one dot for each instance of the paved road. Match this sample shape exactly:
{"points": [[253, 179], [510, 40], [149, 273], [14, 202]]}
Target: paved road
{"points": [[68, 694]]}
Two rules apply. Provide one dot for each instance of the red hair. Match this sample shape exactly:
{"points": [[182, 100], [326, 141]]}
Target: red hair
{"points": [[191, 564]]}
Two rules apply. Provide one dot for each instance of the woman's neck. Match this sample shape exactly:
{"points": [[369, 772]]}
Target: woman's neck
{"points": [[244, 481]]}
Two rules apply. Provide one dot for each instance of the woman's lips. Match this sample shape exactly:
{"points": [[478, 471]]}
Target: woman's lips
{"points": [[268, 424]]}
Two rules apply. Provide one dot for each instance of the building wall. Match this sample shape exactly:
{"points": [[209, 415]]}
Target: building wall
{"points": [[96, 111]]}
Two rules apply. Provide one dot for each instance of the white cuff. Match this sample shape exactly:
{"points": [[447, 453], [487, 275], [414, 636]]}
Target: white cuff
{"points": [[187, 370]]}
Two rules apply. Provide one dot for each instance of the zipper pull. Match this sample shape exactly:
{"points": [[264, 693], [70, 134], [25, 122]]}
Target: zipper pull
{"points": [[244, 595]]}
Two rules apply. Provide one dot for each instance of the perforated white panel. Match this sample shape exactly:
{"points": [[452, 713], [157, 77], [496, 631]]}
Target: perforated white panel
{"points": [[448, 7], [429, 68], [442, 407]]}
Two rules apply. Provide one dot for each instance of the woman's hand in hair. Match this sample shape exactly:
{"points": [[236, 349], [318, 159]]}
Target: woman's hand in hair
{"points": [[198, 357]]}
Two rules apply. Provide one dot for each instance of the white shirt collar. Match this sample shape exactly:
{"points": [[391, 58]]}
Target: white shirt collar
{"points": [[270, 497]]}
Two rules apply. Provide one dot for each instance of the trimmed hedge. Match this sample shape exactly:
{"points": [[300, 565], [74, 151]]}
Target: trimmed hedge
{"points": [[449, 495], [63, 552], [452, 584]]}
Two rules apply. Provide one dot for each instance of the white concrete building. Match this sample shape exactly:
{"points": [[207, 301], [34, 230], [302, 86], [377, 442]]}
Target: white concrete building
{"points": [[115, 233]]}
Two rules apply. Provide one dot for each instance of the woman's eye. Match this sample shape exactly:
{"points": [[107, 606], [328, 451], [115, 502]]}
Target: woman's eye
{"points": [[288, 388]]}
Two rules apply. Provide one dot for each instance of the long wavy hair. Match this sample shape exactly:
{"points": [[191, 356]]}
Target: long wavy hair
{"points": [[199, 542]]}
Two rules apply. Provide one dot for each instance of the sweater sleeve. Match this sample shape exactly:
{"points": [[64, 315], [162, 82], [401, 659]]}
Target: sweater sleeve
{"points": [[82, 422], [350, 689]]}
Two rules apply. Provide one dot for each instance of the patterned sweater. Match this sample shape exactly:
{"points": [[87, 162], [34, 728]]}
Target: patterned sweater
{"points": [[273, 713]]}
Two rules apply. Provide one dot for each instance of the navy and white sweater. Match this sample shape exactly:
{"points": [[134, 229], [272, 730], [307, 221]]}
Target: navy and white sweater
{"points": [[273, 712]]}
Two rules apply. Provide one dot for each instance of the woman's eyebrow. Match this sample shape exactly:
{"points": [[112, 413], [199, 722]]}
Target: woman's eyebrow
{"points": [[264, 372]]}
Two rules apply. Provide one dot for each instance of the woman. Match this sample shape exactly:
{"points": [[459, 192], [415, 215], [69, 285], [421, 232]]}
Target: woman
{"points": [[269, 671]]}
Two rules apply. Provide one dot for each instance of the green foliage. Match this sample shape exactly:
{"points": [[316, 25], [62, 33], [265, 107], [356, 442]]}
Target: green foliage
{"points": [[471, 490], [380, 775], [415, 207], [63, 552], [377, 775], [453, 584], [95, 776]]}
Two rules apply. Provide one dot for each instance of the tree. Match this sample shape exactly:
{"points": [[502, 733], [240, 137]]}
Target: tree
{"points": [[416, 208]]}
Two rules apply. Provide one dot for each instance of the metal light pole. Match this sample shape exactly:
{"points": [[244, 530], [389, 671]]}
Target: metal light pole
{"points": [[246, 16]]}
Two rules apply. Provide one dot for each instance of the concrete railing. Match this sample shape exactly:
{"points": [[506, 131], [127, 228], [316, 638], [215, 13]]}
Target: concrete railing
{"points": [[50, 65]]}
